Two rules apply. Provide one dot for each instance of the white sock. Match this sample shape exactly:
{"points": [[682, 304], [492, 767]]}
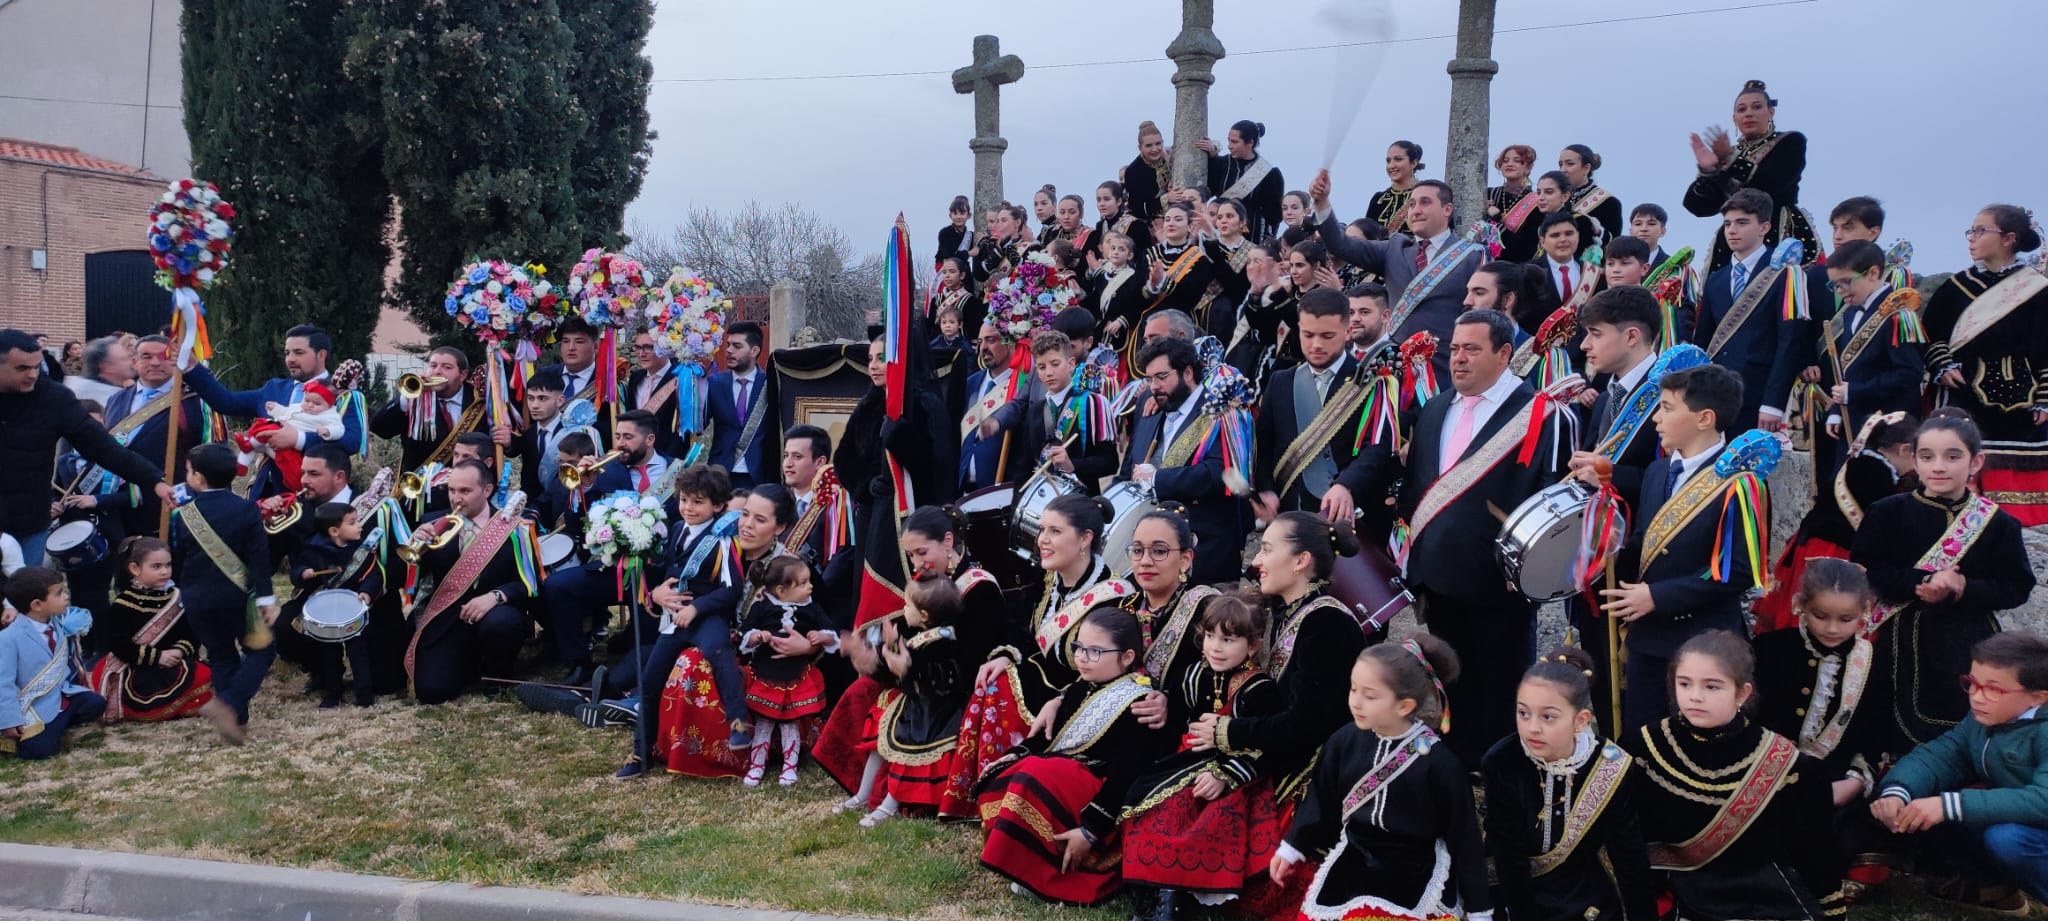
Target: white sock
{"points": [[868, 775]]}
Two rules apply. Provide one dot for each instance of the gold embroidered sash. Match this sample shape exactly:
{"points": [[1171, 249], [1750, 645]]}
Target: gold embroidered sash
{"points": [[464, 423], [1693, 498], [1397, 762], [1166, 640], [1182, 265], [1192, 436], [1844, 499], [1820, 740], [1744, 306], [1906, 299], [1290, 630], [1464, 474], [1605, 781], [1751, 797], [1092, 719], [216, 549], [136, 418], [1593, 198]]}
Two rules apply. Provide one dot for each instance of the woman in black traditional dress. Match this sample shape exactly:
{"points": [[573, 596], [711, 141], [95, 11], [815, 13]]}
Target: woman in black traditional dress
{"points": [[1045, 209], [1295, 211], [1762, 158], [1228, 251], [1242, 174], [1578, 163], [1944, 561], [1734, 812], [1561, 822], [1389, 206], [1115, 216], [953, 291], [1149, 176], [1511, 206]]}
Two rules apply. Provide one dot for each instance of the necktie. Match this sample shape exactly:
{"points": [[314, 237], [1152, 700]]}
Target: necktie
{"points": [[1421, 255], [51, 635], [1616, 395], [640, 481], [741, 402], [1564, 282], [1741, 278], [1461, 431], [575, 385], [1671, 482], [298, 394], [1323, 382], [447, 415], [803, 507]]}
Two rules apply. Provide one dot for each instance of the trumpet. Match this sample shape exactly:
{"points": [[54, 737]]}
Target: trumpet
{"points": [[424, 540], [576, 476], [410, 485], [287, 514], [410, 385]]}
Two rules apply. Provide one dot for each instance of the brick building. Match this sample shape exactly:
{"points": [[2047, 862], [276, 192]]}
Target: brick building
{"points": [[73, 261]]}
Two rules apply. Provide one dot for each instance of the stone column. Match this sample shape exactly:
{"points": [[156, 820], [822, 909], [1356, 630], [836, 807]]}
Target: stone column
{"points": [[1195, 52], [984, 78], [1471, 78], [787, 313]]}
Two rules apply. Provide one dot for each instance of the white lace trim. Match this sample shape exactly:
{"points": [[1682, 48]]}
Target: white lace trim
{"points": [[1432, 893]]}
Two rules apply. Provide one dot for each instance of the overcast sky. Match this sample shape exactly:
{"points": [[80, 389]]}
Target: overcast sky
{"points": [[1936, 108]]}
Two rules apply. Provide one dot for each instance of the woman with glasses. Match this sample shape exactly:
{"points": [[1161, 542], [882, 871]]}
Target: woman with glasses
{"points": [[1012, 687], [1314, 644], [1944, 560], [1760, 157]]}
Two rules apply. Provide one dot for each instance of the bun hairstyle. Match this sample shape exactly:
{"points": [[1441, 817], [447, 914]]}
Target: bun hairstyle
{"points": [[1244, 215], [1417, 669], [1829, 574], [1953, 419], [934, 522], [779, 571], [1085, 513], [1076, 199], [1249, 131], [1730, 652], [1147, 129], [133, 551], [781, 498], [1757, 87], [1174, 515], [1414, 152], [1569, 669], [1324, 542], [1586, 156], [1051, 194], [2019, 222]]}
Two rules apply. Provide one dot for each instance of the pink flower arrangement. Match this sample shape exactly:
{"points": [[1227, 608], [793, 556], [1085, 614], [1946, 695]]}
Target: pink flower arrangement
{"points": [[604, 288], [1030, 296], [501, 301]]}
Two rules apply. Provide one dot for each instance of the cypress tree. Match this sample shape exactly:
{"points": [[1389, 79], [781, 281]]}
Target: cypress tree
{"points": [[610, 76]]}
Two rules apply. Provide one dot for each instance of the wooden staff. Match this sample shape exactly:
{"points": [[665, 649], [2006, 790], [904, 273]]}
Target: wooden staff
{"points": [[1605, 469], [163, 519]]}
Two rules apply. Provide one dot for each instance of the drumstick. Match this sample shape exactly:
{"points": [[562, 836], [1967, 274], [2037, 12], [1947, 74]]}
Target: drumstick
{"points": [[1048, 464]]}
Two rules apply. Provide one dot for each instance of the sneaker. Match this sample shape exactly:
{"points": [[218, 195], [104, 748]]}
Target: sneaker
{"points": [[543, 699], [621, 712], [631, 769]]}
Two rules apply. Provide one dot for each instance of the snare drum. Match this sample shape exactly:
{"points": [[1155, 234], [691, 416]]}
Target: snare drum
{"points": [[556, 550], [1539, 543], [988, 534], [1370, 586], [1037, 493], [335, 615], [1131, 502], [76, 545]]}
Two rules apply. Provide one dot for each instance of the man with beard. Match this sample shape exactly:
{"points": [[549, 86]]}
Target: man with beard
{"points": [[1367, 324], [470, 626], [1498, 286], [444, 411], [1164, 445], [1306, 426], [573, 592], [305, 361], [739, 412], [981, 459]]}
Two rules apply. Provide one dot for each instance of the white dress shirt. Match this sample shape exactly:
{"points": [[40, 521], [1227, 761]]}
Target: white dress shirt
{"points": [[1572, 272], [1688, 466], [1490, 402]]}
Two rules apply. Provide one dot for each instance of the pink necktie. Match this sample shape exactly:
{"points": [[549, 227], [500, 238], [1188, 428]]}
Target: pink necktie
{"points": [[1461, 431]]}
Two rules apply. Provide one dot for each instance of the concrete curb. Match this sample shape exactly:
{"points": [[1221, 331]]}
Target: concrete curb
{"points": [[179, 889]]}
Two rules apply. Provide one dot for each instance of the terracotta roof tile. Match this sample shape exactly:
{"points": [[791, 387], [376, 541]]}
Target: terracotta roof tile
{"points": [[35, 152]]}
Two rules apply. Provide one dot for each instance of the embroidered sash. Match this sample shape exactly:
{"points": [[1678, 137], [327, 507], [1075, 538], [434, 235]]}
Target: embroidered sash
{"points": [[1758, 786], [1290, 630], [1339, 409], [464, 423], [1601, 785], [1844, 499], [1962, 534], [113, 675], [461, 577], [136, 418], [1248, 180], [1759, 287], [1092, 719], [1994, 304], [661, 395], [721, 529], [1439, 268], [1594, 198], [1179, 269], [752, 427], [995, 399], [1053, 626], [1376, 780], [1905, 299], [1465, 474], [1519, 214], [1693, 499], [45, 680], [216, 549], [1191, 438], [1819, 739], [1166, 639], [1111, 284], [1643, 400]]}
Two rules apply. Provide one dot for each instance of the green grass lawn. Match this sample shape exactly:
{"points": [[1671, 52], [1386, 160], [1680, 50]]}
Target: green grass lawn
{"points": [[480, 791]]}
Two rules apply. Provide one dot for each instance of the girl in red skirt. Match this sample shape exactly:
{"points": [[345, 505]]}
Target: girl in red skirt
{"points": [[1050, 806], [781, 690], [1204, 822], [151, 670], [1880, 454]]}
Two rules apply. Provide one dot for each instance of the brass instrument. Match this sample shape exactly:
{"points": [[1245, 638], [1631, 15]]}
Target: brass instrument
{"points": [[423, 540], [410, 385], [288, 514], [411, 485], [576, 476]]}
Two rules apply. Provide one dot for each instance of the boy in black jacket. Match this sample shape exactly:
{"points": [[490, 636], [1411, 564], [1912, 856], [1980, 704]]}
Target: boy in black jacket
{"points": [[221, 556], [338, 557]]}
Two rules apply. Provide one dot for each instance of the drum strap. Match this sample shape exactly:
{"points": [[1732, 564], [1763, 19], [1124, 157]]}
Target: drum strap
{"points": [[216, 549]]}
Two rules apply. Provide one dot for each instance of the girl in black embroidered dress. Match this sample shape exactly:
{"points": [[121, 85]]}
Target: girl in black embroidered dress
{"points": [[1997, 370], [1389, 206], [782, 691], [151, 670]]}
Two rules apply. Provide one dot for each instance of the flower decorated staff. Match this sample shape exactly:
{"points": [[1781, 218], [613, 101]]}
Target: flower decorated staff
{"points": [[686, 315], [1029, 297], [512, 309], [189, 238], [604, 289]]}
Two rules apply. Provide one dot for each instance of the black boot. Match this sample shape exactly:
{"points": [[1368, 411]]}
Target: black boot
{"points": [[1142, 899], [1164, 905]]}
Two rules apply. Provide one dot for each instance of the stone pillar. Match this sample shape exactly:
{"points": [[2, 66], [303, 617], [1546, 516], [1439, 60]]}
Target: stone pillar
{"points": [[985, 78], [787, 313], [1194, 52], [1471, 78]]}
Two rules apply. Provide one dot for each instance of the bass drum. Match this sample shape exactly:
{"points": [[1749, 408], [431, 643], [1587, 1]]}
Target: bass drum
{"points": [[1370, 586], [1131, 502], [1539, 542], [988, 535], [1037, 493]]}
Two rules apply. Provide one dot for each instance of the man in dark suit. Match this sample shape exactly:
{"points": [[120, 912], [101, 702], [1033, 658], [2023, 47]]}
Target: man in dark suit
{"points": [[576, 343], [1464, 473], [1423, 299], [1323, 480], [457, 408], [137, 416], [221, 560], [1163, 443], [652, 388], [1766, 349], [741, 415], [470, 626], [305, 361], [1033, 420], [981, 458], [1677, 596], [573, 593]]}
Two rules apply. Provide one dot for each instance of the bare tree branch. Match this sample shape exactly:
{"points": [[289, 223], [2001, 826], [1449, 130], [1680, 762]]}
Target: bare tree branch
{"points": [[748, 251]]}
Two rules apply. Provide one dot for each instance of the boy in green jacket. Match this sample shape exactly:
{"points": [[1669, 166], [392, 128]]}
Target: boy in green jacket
{"points": [[2004, 747]]}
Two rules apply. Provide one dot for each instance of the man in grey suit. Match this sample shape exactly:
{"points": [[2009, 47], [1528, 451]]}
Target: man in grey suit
{"points": [[1410, 261]]}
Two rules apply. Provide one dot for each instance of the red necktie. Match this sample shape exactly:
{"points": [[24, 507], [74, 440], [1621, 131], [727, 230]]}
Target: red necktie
{"points": [[742, 401], [1564, 282], [1421, 255], [640, 482]]}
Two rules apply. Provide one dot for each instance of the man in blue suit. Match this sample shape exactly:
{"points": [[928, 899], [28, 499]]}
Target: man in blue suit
{"points": [[42, 690], [136, 417], [305, 361], [573, 593], [744, 429], [987, 391], [1172, 370], [1759, 344]]}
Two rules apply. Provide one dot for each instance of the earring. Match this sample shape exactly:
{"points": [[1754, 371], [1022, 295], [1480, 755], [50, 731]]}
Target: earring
{"points": [[1183, 575]]}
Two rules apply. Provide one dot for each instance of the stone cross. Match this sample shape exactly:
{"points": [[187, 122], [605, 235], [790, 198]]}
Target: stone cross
{"points": [[984, 78], [1195, 52]]}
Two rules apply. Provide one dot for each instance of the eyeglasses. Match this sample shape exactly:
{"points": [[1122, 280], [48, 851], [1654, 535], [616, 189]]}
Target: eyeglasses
{"points": [[1162, 377], [643, 346], [1157, 553], [1975, 232], [1971, 685], [1088, 654], [1841, 286]]}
